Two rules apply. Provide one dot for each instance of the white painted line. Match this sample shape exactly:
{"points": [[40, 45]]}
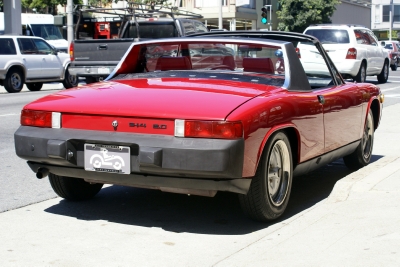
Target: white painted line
{"points": [[10, 114], [390, 89]]}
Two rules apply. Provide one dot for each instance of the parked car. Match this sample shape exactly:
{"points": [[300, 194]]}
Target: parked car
{"points": [[161, 122], [354, 49], [393, 48], [32, 61]]}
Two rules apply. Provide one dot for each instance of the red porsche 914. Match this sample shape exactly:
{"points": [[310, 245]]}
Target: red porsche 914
{"points": [[204, 114]]}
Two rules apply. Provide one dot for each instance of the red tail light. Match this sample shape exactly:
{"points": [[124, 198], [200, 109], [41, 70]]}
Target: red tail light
{"points": [[71, 51], [351, 53], [213, 129], [298, 52], [36, 118]]}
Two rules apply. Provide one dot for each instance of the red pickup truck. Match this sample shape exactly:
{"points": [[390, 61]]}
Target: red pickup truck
{"points": [[393, 48]]}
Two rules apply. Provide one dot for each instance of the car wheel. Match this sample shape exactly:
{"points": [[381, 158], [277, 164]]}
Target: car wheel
{"points": [[70, 80], [34, 86], [73, 188], [14, 81], [270, 188], [394, 66], [362, 74], [362, 155], [383, 76], [89, 80]]}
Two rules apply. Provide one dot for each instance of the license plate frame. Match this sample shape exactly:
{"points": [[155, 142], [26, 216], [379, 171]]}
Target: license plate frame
{"points": [[107, 158]]}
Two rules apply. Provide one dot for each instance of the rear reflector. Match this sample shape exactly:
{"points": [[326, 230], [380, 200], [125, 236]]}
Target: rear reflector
{"points": [[45, 119], [351, 53], [208, 129]]}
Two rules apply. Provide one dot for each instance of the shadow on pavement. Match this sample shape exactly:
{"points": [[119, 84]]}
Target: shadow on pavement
{"points": [[220, 215]]}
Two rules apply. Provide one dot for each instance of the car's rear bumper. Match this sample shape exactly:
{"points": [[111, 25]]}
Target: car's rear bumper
{"points": [[156, 161], [91, 71], [348, 66]]}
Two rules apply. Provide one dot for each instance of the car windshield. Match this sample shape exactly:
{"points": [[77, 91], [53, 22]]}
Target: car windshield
{"points": [[46, 31], [330, 36], [389, 46], [258, 62]]}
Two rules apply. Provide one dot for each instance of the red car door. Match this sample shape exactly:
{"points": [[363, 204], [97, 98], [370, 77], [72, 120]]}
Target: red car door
{"points": [[343, 116]]}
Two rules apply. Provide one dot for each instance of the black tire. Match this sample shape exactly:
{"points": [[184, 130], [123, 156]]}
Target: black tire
{"points": [[14, 81], [362, 74], [74, 189], [394, 66], [384, 75], [70, 81], [34, 86], [362, 155], [90, 80], [270, 188]]}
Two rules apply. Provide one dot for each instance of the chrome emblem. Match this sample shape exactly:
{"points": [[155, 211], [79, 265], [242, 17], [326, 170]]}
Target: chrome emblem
{"points": [[115, 124]]}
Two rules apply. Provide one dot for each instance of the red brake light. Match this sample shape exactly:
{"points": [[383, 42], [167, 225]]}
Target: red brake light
{"points": [[213, 129], [351, 53], [298, 52], [71, 51], [36, 118]]}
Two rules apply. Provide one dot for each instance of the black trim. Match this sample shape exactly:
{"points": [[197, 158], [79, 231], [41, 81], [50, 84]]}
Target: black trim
{"points": [[315, 163], [150, 154]]}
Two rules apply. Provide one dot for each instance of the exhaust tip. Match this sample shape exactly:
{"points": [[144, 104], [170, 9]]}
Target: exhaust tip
{"points": [[41, 173]]}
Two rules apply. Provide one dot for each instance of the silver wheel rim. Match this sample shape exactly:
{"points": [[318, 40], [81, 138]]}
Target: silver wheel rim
{"points": [[363, 75], [368, 137], [16, 80], [278, 173], [72, 79]]}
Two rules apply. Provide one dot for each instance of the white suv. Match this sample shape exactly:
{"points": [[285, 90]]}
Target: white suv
{"points": [[355, 50], [31, 60]]}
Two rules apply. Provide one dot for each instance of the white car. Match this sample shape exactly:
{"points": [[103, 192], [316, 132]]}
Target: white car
{"points": [[355, 51], [32, 61]]}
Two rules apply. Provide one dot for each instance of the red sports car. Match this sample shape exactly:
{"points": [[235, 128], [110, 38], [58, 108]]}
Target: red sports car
{"points": [[233, 123]]}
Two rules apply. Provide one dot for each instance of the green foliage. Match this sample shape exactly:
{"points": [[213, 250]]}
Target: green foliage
{"points": [[45, 6], [297, 15], [394, 35]]}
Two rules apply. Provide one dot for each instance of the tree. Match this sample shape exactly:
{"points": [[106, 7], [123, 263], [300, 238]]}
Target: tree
{"points": [[297, 15]]}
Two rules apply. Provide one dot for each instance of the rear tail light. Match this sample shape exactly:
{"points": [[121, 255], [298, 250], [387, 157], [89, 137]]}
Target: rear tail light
{"points": [[44, 119], [71, 51], [351, 53], [208, 129]]}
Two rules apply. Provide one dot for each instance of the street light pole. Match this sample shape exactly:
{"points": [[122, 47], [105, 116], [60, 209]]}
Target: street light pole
{"points": [[70, 22]]}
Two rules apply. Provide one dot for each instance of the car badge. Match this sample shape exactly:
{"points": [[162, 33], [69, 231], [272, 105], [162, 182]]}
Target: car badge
{"points": [[115, 124]]}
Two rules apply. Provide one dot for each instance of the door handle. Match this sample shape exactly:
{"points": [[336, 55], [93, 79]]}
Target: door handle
{"points": [[321, 99], [103, 47]]}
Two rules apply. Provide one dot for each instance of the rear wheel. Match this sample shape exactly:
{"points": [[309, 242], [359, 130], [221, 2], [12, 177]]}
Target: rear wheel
{"points": [[70, 80], [73, 188], [394, 66], [270, 188], [14, 81], [362, 74], [384, 75], [362, 155], [34, 86]]}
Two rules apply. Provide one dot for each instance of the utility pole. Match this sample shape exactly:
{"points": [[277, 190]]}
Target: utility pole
{"points": [[70, 22], [391, 14]]}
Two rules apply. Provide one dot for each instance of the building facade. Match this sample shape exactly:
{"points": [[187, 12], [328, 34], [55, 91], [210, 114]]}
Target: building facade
{"points": [[381, 23]]}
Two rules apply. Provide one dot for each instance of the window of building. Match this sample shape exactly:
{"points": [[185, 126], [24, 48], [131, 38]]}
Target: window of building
{"points": [[386, 13]]}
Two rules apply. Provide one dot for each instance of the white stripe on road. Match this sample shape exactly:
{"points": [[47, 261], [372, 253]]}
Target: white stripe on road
{"points": [[390, 89], [10, 114]]}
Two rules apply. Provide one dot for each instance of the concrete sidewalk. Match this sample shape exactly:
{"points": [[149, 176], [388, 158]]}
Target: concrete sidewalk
{"points": [[357, 225]]}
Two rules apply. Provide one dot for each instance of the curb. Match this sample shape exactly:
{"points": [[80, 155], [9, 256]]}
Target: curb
{"points": [[364, 179]]}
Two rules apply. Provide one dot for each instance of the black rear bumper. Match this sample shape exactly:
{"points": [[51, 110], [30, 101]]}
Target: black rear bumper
{"points": [[156, 161]]}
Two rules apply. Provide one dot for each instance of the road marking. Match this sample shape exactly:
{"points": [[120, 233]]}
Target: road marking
{"points": [[394, 96], [390, 89], [10, 114]]}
